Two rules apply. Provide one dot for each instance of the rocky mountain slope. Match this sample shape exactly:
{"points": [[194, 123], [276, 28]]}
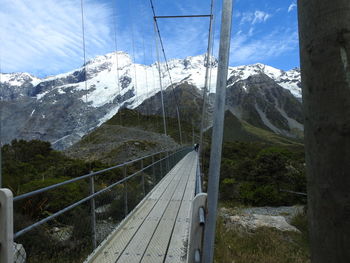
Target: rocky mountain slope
{"points": [[62, 108]]}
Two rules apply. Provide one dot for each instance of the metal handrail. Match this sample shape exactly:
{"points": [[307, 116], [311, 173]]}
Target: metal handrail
{"points": [[23, 196], [293, 192], [198, 187], [62, 211]]}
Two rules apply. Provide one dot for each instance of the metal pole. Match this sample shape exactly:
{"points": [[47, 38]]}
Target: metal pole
{"points": [[218, 127], [167, 162], [125, 193], [6, 226], [161, 165], [93, 215], [192, 133], [179, 124], [153, 168], [206, 82], [160, 78], [143, 180]]}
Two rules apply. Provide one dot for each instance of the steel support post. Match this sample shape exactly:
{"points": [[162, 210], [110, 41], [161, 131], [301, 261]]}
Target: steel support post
{"points": [[93, 212], [179, 123], [6, 226], [161, 165], [143, 180], [153, 168], [206, 82], [167, 162], [218, 127], [126, 210]]}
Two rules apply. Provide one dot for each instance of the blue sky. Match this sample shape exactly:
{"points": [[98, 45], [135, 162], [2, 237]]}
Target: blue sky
{"points": [[45, 37]]}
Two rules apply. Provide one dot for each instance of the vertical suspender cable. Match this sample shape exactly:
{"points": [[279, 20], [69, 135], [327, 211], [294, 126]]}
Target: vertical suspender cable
{"points": [[133, 58], [153, 75], [160, 77], [167, 67], [146, 75], [116, 55], [206, 82], [217, 135], [85, 66], [84, 48]]}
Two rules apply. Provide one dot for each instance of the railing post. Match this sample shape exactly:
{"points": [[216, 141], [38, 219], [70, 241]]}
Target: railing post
{"points": [[143, 180], [161, 165], [167, 162], [153, 168], [6, 226], [93, 212], [197, 227], [125, 192]]}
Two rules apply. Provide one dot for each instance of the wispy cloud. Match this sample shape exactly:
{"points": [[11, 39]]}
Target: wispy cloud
{"points": [[254, 17], [245, 50], [46, 36], [292, 7]]}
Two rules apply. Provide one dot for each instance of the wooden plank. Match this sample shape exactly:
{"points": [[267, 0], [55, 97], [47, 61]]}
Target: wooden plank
{"points": [[158, 245], [137, 246], [177, 251], [110, 251]]}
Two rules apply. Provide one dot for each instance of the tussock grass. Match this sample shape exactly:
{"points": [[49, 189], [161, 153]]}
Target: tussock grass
{"points": [[265, 245]]}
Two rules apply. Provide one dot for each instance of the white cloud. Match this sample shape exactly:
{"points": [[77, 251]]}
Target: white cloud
{"points": [[292, 7], [260, 16], [254, 18], [247, 50], [46, 36]]}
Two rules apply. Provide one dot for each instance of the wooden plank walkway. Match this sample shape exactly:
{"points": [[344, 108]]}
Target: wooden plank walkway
{"points": [[157, 229]]}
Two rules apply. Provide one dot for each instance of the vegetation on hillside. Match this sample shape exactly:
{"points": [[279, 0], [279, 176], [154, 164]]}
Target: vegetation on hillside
{"points": [[252, 173], [154, 123], [31, 165]]}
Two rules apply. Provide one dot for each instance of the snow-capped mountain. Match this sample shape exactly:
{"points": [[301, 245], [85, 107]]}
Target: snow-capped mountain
{"points": [[62, 108]]}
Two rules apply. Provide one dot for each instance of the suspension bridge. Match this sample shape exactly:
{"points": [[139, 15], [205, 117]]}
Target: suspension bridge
{"points": [[156, 212]]}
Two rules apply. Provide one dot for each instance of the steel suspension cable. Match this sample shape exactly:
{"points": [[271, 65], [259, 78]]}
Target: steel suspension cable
{"points": [[84, 48], [153, 58], [85, 66], [116, 55], [167, 68], [206, 81], [146, 75], [134, 60], [160, 79]]}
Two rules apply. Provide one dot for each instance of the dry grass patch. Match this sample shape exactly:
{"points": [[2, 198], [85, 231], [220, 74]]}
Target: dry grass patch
{"points": [[265, 245]]}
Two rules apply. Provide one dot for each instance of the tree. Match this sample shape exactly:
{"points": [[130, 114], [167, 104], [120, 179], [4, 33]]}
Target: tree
{"points": [[324, 30]]}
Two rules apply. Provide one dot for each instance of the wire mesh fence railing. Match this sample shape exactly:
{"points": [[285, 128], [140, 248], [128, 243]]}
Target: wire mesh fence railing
{"points": [[65, 222]]}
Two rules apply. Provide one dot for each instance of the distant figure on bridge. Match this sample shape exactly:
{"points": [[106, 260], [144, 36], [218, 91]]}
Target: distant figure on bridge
{"points": [[196, 147]]}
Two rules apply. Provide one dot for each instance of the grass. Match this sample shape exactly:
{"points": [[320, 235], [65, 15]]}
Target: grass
{"points": [[265, 245]]}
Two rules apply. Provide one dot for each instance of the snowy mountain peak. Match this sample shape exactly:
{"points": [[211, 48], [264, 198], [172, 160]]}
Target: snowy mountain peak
{"points": [[19, 79], [289, 80], [119, 57]]}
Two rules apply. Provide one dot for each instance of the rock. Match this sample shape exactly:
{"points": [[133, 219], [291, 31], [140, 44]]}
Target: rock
{"points": [[20, 254], [252, 218], [254, 221]]}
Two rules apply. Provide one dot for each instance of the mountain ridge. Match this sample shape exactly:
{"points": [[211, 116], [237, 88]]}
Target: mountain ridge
{"points": [[75, 107]]}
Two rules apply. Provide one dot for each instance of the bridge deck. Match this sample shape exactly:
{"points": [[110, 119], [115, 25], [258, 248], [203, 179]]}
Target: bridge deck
{"points": [[157, 230]]}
